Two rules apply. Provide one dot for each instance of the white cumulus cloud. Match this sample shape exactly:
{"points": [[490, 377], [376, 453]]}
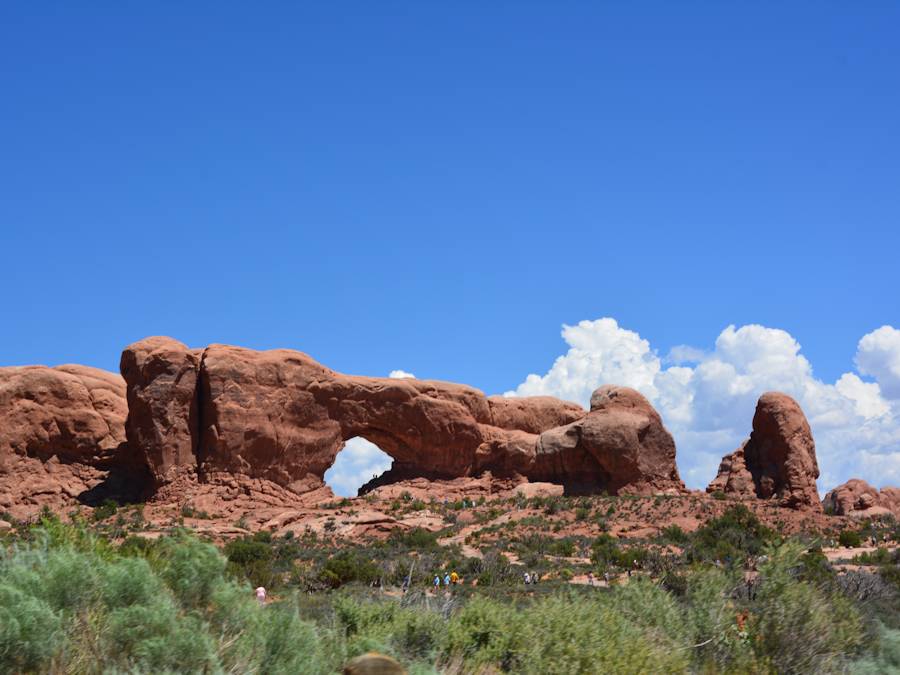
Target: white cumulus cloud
{"points": [[356, 464], [599, 351], [707, 397], [878, 355], [400, 374]]}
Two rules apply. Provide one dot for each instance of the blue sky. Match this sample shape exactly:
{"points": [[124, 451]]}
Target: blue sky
{"points": [[439, 187]]}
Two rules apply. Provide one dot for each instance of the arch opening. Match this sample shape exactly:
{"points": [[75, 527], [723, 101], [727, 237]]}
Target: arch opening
{"points": [[359, 462]]}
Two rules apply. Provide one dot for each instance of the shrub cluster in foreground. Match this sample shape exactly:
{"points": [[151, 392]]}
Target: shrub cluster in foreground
{"points": [[71, 601]]}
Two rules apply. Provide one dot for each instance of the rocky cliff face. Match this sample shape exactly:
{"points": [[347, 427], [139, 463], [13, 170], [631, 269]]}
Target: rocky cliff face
{"points": [[858, 499], [778, 461], [281, 416]]}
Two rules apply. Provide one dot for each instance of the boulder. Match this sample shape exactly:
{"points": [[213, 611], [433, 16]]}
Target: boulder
{"points": [[62, 432], [778, 461], [620, 446], [858, 499], [74, 413]]}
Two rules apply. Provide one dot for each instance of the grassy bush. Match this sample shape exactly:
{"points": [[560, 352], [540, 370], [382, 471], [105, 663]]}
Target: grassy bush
{"points": [[30, 631], [674, 534], [347, 566], [886, 658], [849, 539], [798, 626], [730, 538], [72, 602]]}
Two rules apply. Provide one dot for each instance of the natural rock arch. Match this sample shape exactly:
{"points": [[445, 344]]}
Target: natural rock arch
{"points": [[281, 416]]}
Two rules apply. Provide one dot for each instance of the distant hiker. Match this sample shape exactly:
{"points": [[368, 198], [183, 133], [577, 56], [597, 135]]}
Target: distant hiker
{"points": [[454, 578], [606, 578], [534, 578], [590, 578], [260, 595], [527, 578], [405, 585], [446, 579], [437, 581]]}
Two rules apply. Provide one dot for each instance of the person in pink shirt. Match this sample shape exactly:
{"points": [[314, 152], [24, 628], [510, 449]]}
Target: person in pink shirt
{"points": [[261, 595]]}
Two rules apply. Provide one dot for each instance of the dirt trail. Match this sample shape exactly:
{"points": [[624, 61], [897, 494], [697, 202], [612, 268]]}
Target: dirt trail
{"points": [[841, 553]]}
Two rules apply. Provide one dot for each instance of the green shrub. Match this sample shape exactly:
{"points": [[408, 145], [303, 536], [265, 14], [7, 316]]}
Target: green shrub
{"points": [[564, 547], [71, 602], [417, 539], [485, 633], [192, 569], [129, 581], [798, 627], [30, 631], [886, 658], [730, 538], [849, 539], [106, 510], [815, 568], [598, 639], [291, 645], [674, 534], [346, 566], [68, 580], [410, 633], [604, 551], [189, 511]]}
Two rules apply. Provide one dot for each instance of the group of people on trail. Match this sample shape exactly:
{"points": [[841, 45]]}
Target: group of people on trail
{"points": [[606, 577], [450, 578], [531, 578]]}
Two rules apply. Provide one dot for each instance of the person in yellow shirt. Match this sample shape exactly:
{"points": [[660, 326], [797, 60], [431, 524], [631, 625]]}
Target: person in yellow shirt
{"points": [[454, 578]]}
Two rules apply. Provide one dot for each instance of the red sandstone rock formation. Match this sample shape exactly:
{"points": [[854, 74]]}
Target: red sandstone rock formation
{"points": [[778, 461], [60, 430], [858, 499], [162, 411], [75, 413], [281, 416], [620, 446]]}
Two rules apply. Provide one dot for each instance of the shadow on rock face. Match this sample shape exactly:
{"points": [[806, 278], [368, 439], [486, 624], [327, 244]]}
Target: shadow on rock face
{"points": [[121, 485]]}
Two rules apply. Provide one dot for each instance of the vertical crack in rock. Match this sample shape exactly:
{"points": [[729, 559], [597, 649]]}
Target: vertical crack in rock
{"points": [[197, 424]]}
